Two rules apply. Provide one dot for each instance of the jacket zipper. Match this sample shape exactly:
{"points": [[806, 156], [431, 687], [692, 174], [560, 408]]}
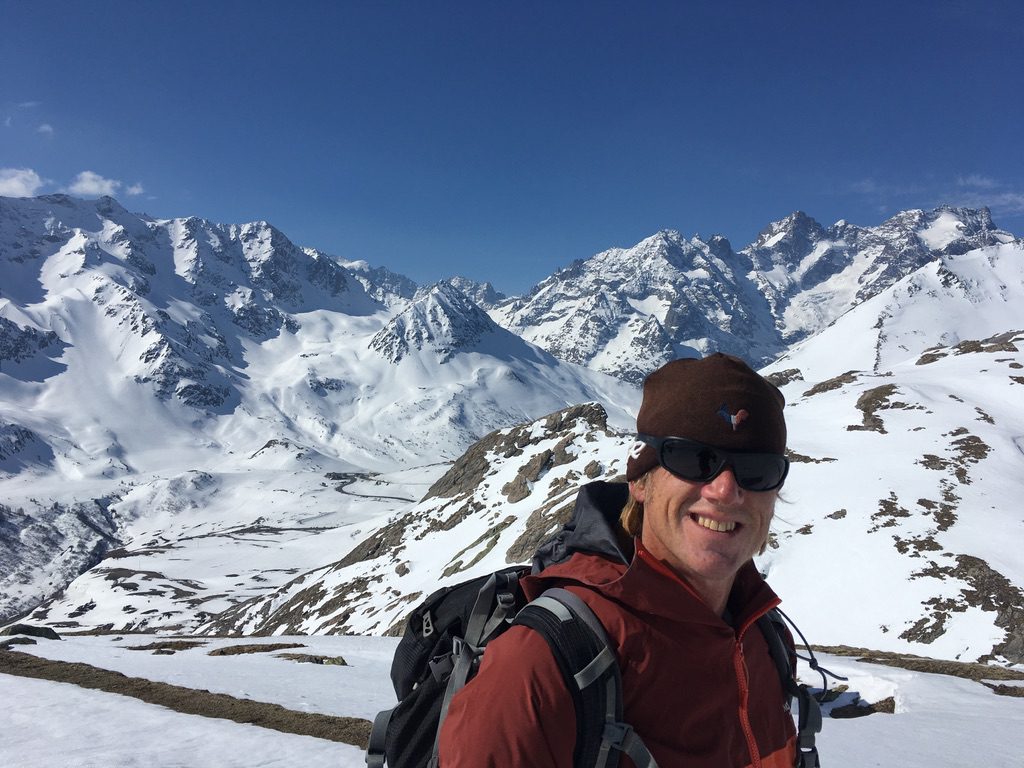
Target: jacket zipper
{"points": [[743, 680]]}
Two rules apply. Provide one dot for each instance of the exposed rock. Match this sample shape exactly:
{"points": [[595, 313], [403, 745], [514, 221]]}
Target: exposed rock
{"points": [[834, 383], [31, 631]]}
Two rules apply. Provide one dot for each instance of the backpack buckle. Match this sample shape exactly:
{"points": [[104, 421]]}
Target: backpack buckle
{"points": [[616, 734], [807, 758], [441, 667]]}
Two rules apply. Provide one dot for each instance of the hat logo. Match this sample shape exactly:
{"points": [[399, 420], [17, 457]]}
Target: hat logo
{"points": [[733, 419], [636, 449]]}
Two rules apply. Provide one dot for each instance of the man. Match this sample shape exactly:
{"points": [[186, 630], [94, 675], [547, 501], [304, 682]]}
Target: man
{"points": [[679, 602]]}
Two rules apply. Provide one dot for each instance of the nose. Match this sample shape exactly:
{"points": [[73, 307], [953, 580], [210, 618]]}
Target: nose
{"points": [[723, 488]]}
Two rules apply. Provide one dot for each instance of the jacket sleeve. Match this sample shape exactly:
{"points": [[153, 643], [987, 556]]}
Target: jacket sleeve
{"points": [[515, 712]]}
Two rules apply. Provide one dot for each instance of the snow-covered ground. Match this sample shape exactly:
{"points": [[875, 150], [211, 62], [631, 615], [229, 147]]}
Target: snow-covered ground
{"points": [[57, 724], [938, 720]]}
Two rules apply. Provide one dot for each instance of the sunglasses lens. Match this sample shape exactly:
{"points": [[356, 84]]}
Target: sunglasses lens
{"points": [[702, 463], [696, 463], [760, 471]]}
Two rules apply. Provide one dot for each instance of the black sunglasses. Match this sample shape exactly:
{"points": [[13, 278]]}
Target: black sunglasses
{"points": [[699, 463]]}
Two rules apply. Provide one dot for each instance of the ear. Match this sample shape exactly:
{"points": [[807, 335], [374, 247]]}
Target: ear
{"points": [[638, 489]]}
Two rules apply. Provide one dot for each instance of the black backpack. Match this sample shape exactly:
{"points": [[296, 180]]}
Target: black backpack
{"points": [[441, 650], [446, 635]]}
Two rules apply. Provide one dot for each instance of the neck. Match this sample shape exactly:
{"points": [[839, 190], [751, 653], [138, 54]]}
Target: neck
{"points": [[714, 593]]}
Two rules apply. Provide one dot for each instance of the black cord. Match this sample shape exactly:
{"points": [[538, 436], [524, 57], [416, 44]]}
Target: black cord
{"points": [[812, 660]]}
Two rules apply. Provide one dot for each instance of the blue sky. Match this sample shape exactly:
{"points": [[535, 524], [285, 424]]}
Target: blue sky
{"points": [[501, 141]]}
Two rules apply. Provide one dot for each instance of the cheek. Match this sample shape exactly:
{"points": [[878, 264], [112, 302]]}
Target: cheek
{"points": [[765, 517]]}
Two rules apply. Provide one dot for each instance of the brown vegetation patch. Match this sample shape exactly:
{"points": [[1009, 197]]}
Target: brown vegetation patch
{"points": [[539, 465], [385, 541], [863, 708], [963, 669], [967, 449], [469, 471], [918, 544], [872, 401], [982, 416], [799, 458], [781, 378], [470, 507], [989, 590], [486, 543], [834, 383], [943, 512], [190, 701], [541, 523], [1003, 342], [120, 553], [931, 627], [238, 650], [298, 609], [31, 630], [888, 512], [1017, 691], [168, 646], [931, 355], [6, 645], [308, 658]]}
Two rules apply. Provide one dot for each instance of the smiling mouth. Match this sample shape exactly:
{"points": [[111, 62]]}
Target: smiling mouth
{"points": [[714, 525]]}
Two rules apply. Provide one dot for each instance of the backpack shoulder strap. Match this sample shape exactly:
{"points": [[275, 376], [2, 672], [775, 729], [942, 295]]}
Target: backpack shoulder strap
{"points": [[591, 672], [809, 725], [490, 615]]}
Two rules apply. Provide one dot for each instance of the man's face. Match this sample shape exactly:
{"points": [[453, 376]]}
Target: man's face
{"points": [[704, 531]]}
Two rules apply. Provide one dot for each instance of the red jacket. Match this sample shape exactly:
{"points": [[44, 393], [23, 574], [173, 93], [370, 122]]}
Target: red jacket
{"points": [[698, 691]]}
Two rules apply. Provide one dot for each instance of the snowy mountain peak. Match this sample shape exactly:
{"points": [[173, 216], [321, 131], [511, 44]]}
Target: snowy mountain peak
{"points": [[482, 294], [788, 239], [441, 320]]}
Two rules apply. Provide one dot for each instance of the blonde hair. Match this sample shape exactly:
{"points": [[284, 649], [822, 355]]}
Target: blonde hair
{"points": [[632, 516]]}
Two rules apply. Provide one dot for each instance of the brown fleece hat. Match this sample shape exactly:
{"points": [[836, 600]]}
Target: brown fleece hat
{"points": [[718, 400]]}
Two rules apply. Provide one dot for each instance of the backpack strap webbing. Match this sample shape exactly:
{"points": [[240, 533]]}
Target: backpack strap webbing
{"points": [[376, 748], [494, 606], [809, 724], [590, 669]]}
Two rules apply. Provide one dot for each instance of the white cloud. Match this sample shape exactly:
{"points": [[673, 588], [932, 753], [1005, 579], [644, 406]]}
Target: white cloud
{"points": [[45, 128], [977, 181], [1006, 202], [93, 185], [968, 191], [19, 182]]}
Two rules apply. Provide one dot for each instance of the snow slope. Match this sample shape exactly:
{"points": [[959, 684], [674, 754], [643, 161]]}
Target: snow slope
{"points": [[937, 719]]}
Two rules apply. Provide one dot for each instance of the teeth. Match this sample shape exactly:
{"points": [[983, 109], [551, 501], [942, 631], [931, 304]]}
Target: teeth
{"points": [[714, 525]]}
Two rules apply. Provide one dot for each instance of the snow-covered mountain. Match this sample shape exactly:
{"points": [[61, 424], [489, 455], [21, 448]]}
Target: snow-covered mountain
{"points": [[375, 440], [626, 311], [137, 352]]}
